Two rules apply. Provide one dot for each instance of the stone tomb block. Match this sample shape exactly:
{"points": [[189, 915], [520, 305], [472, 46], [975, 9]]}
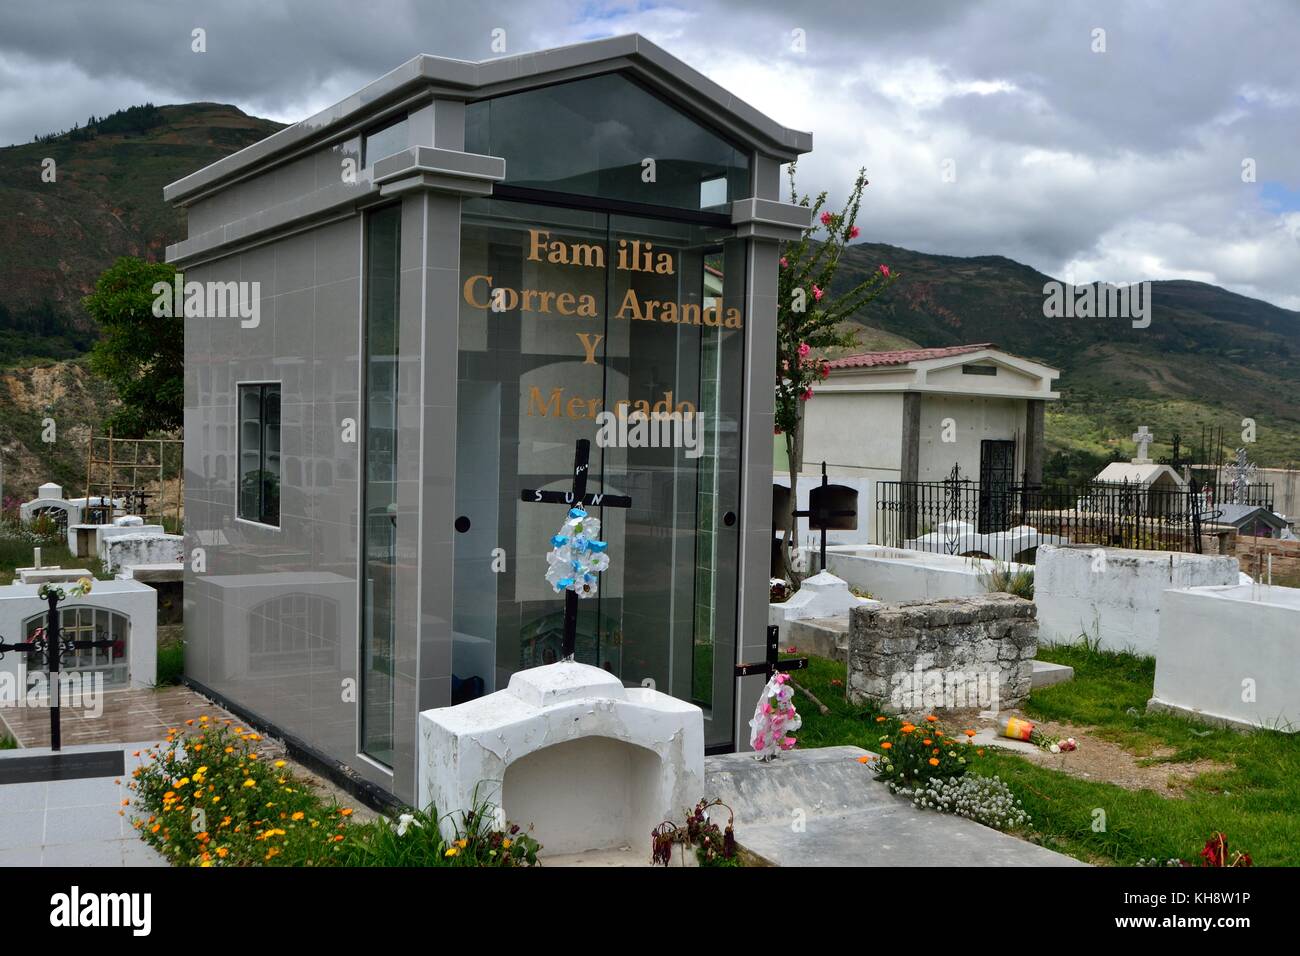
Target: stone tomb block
{"points": [[933, 655], [566, 748]]}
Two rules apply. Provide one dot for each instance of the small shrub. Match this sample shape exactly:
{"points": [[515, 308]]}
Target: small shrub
{"points": [[171, 663], [913, 755], [414, 839], [1003, 578], [713, 845], [986, 800], [212, 799]]}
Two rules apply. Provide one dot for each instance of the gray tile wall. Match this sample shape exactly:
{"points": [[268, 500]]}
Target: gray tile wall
{"points": [[272, 621]]}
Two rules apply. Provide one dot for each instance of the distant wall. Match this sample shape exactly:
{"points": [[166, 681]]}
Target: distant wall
{"points": [[1112, 595]]}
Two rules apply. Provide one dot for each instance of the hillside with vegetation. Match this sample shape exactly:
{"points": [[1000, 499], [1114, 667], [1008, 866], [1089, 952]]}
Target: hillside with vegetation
{"points": [[57, 237], [1210, 357]]}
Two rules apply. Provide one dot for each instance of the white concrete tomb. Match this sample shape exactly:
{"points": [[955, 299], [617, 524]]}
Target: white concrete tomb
{"points": [[566, 748]]}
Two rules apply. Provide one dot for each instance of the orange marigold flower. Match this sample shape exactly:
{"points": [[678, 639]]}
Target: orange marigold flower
{"points": [[969, 733], [934, 761], [345, 812], [932, 719], [980, 751], [886, 745], [865, 758], [880, 720], [927, 741]]}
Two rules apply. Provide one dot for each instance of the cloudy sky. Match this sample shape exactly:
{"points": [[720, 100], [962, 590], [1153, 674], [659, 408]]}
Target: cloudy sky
{"points": [[1119, 165]]}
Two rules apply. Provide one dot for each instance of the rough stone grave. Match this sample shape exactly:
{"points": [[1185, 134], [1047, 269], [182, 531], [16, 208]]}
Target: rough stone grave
{"points": [[954, 653]]}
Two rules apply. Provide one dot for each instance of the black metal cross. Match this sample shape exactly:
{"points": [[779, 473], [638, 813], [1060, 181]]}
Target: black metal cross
{"points": [[820, 516], [50, 643], [773, 663], [578, 495]]}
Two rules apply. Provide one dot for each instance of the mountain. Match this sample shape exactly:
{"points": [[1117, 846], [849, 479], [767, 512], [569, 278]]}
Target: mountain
{"points": [[55, 240], [105, 201], [1209, 357]]}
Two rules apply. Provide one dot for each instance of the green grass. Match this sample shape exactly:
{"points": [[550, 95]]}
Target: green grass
{"points": [[7, 742], [171, 662], [16, 554], [1255, 800]]}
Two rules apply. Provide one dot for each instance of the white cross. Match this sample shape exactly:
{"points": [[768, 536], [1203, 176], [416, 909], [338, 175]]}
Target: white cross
{"points": [[1143, 438]]}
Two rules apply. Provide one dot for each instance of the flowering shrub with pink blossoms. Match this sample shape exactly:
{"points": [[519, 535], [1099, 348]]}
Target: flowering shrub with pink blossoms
{"points": [[810, 319]]}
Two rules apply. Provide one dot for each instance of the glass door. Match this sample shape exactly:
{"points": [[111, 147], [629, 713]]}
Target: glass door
{"points": [[627, 332]]}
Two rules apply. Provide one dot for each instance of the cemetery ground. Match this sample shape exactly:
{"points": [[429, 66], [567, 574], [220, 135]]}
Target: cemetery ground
{"points": [[1142, 785]]}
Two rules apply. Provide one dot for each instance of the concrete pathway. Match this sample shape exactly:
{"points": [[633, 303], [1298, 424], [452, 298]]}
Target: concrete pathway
{"points": [[71, 822], [822, 808]]}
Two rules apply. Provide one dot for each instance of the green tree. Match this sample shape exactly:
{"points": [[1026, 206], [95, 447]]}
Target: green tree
{"points": [[811, 320], [141, 354]]}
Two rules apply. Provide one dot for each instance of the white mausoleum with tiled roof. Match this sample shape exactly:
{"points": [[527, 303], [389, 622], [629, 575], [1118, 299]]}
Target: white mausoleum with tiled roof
{"points": [[914, 414]]}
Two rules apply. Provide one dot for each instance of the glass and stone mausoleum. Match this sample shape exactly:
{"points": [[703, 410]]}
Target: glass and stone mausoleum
{"points": [[403, 312]]}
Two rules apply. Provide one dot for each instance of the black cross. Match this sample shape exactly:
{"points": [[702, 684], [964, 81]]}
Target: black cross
{"points": [[51, 644], [578, 495], [821, 517], [773, 664]]}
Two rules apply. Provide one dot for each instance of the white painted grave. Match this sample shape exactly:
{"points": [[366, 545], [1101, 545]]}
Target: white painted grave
{"points": [[566, 748], [1230, 655], [896, 574], [821, 595], [1113, 595]]}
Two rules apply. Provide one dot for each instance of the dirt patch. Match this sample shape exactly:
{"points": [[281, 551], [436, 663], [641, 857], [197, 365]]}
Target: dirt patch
{"points": [[1104, 761]]}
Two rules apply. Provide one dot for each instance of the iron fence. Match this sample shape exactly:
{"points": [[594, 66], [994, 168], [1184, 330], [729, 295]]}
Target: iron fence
{"points": [[1008, 521]]}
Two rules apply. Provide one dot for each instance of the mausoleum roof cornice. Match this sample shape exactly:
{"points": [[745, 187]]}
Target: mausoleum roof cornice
{"points": [[444, 77]]}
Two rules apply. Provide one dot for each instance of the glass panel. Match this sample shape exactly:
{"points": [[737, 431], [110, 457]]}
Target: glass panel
{"points": [[250, 451], [599, 314], [384, 142], [379, 500], [591, 137], [271, 454]]}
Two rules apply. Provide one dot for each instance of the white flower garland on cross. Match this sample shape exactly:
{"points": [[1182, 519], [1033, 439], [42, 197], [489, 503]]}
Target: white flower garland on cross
{"points": [[577, 556]]}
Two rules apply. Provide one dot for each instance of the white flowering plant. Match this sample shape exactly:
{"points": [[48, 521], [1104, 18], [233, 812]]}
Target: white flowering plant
{"points": [[986, 800]]}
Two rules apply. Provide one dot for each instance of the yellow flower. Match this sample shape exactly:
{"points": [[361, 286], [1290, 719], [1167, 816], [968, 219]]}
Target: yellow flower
{"points": [[250, 782], [506, 843], [279, 764], [451, 851], [298, 815]]}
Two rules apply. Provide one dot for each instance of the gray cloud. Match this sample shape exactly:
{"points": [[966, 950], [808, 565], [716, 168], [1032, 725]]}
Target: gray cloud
{"points": [[1119, 165]]}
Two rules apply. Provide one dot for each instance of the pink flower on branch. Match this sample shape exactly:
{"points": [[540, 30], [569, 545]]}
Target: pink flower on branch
{"points": [[854, 232], [817, 293], [783, 262], [827, 218], [884, 271], [803, 349]]}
